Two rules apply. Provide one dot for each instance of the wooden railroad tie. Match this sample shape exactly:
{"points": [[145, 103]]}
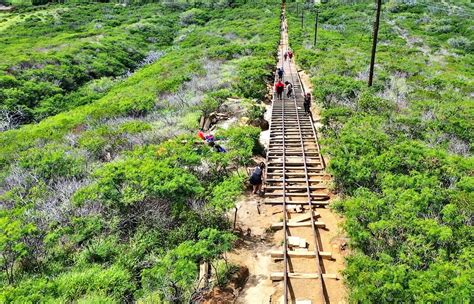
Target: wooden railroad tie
{"points": [[278, 254], [278, 226], [318, 187], [313, 196], [278, 276], [316, 203]]}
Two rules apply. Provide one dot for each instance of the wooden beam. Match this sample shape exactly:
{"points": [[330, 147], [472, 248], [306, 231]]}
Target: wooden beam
{"points": [[298, 194], [303, 217], [301, 254], [297, 202], [295, 225], [278, 276], [311, 188]]}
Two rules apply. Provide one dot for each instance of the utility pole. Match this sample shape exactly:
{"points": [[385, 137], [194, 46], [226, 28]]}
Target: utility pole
{"points": [[316, 27], [374, 42], [302, 19]]}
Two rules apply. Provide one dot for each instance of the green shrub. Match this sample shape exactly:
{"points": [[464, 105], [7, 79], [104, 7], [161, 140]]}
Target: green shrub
{"points": [[114, 282], [53, 161]]}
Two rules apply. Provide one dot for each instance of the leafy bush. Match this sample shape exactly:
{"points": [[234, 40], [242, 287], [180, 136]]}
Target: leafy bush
{"points": [[113, 281], [137, 202], [399, 150], [194, 16], [52, 162], [225, 194], [462, 43]]}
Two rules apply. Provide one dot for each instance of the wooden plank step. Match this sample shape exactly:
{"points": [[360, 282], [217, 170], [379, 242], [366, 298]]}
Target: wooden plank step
{"points": [[303, 217], [313, 202], [280, 152], [278, 226], [301, 254], [292, 164], [294, 180], [278, 276], [297, 194], [312, 171], [296, 167], [298, 174], [292, 153], [319, 187]]}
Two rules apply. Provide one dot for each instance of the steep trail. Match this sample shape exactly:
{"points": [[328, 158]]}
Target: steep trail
{"points": [[296, 183], [262, 249]]}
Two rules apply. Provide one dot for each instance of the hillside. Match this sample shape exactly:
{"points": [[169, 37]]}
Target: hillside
{"points": [[114, 201], [401, 151], [109, 195], [62, 57]]}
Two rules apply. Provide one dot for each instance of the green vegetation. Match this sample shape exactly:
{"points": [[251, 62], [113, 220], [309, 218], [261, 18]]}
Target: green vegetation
{"points": [[116, 200], [57, 59], [401, 151]]}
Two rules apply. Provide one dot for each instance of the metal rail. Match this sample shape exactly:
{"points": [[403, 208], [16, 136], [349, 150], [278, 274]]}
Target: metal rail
{"points": [[285, 219], [308, 190], [294, 139], [285, 214]]}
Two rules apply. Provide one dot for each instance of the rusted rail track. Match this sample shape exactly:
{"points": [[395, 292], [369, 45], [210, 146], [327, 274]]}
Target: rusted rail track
{"points": [[295, 176]]}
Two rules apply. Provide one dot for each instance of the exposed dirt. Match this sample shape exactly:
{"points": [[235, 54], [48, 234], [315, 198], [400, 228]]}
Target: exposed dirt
{"points": [[253, 251]]}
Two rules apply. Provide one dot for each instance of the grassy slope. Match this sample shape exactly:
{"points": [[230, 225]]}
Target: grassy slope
{"points": [[52, 57], [131, 207], [401, 151]]}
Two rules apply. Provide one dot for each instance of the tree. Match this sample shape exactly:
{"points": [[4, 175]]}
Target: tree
{"points": [[224, 195], [175, 274], [13, 232]]}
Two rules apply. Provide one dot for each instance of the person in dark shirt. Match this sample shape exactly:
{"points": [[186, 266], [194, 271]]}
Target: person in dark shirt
{"points": [[280, 73], [289, 89], [307, 103], [256, 178]]}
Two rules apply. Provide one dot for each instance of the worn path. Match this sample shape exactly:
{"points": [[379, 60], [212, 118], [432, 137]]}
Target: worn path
{"points": [[309, 244]]}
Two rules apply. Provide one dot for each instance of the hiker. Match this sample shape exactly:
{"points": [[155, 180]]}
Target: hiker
{"points": [[279, 88], [285, 56], [201, 135], [290, 54], [210, 138], [289, 89], [307, 103], [280, 73], [256, 178], [218, 148]]}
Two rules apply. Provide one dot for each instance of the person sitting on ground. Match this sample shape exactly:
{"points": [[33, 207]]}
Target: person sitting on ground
{"points": [[201, 135], [280, 73], [279, 88], [218, 148], [289, 89], [307, 103], [256, 178], [210, 138]]}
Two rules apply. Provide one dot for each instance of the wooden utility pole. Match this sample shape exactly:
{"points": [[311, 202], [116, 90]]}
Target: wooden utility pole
{"points": [[374, 42], [316, 27], [302, 18]]}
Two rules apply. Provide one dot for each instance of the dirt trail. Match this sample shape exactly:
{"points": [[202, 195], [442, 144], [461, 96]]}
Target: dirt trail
{"points": [[255, 218]]}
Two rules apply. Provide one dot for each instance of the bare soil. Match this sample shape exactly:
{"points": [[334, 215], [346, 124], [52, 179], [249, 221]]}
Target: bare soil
{"points": [[253, 251]]}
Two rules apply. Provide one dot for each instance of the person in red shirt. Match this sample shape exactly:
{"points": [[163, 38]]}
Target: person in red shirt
{"points": [[279, 88], [290, 54], [201, 135]]}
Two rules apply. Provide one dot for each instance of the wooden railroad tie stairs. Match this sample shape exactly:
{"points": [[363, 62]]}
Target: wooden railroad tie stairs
{"points": [[295, 180]]}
